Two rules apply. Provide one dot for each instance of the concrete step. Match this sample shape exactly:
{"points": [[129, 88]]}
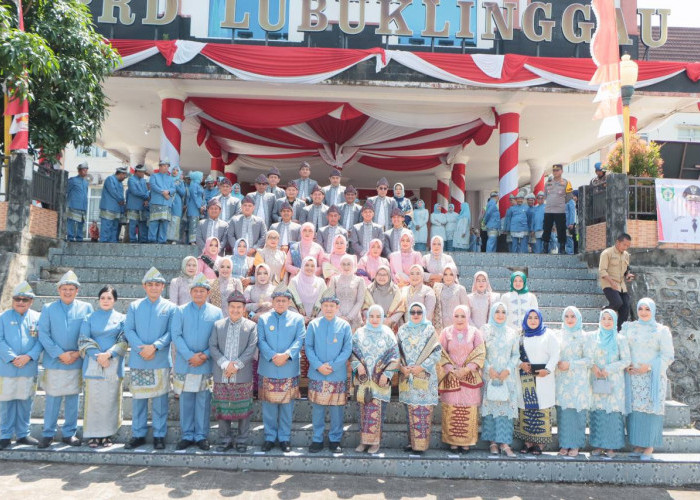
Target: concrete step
{"points": [[677, 414], [116, 273], [165, 261], [124, 249], [510, 259], [393, 436], [542, 272], [667, 470]]}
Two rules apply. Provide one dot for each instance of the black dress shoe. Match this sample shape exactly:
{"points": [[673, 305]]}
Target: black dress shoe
{"points": [[285, 446], [224, 447], [408, 449], [134, 443], [241, 448], [158, 443], [267, 445], [45, 442], [183, 444], [28, 440], [72, 441], [334, 446], [315, 447], [203, 445], [4, 443]]}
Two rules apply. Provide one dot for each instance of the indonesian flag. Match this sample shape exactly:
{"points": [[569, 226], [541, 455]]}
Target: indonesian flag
{"points": [[606, 55], [18, 108]]}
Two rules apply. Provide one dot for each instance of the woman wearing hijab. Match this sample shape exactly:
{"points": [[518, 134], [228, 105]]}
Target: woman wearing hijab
{"points": [[259, 295], [103, 345], [350, 289], [420, 226], [519, 300], [372, 260], [307, 247], [460, 381], [420, 350], [573, 387], [374, 360], [462, 232], [208, 262], [448, 295], [401, 261], [450, 226], [404, 204], [331, 264], [179, 292], [651, 351], [236, 191], [435, 261], [306, 289], [481, 299], [242, 263], [386, 294], [271, 255], [224, 285], [417, 291], [499, 408], [539, 355], [437, 223], [610, 356]]}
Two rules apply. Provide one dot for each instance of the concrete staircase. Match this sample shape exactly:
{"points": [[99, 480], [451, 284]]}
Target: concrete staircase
{"points": [[557, 280]]}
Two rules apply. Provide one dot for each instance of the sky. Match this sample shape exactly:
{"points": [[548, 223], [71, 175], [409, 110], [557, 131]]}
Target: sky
{"points": [[683, 12]]}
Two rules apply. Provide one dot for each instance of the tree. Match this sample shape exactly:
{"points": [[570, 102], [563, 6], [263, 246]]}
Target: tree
{"points": [[645, 158], [67, 102]]}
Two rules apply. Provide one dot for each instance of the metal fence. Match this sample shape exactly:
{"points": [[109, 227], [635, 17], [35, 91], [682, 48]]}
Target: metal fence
{"points": [[642, 195], [45, 186], [596, 205]]}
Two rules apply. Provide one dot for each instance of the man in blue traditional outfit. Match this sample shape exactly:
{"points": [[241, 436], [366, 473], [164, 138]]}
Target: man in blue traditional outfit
{"points": [[328, 347], [148, 331], [195, 205], [517, 223], [492, 221], [192, 327], [210, 188], [19, 351], [77, 194], [162, 194], [59, 329], [280, 337], [537, 222], [112, 206], [136, 200]]}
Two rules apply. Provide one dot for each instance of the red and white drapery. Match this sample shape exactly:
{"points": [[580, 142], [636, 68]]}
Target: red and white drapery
{"points": [[378, 136], [314, 65]]}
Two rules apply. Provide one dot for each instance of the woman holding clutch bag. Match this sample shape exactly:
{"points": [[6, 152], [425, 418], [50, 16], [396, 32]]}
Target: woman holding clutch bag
{"points": [[374, 360], [420, 349], [573, 387], [610, 355], [539, 355], [499, 408], [651, 350], [102, 345], [459, 373]]}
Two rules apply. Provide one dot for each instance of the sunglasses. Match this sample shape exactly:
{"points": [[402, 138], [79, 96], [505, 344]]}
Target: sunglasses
{"points": [[21, 299], [417, 312], [383, 188]]}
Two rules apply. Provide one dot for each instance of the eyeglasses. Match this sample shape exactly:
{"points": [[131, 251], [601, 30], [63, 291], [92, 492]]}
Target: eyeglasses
{"points": [[417, 312], [383, 188], [21, 299]]}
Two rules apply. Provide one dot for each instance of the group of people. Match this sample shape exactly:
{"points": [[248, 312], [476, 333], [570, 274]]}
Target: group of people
{"points": [[338, 328], [179, 207]]}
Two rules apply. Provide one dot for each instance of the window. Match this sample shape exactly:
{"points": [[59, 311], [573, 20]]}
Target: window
{"points": [[91, 152], [578, 167], [688, 134]]}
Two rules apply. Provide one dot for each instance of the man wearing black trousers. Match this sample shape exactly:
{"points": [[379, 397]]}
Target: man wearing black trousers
{"points": [[613, 276], [557, 192]]}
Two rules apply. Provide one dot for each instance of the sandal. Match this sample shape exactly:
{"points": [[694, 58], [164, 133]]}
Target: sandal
{"points": [[493, 449], [505, 449], [93, 443], [373, 449], [536, 450], [563, 452], [525, 450], [573, 452], [106, 443], [464, 450]]}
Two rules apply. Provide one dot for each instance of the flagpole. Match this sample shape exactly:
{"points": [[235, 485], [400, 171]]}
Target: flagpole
{"points": [[7, 139]]}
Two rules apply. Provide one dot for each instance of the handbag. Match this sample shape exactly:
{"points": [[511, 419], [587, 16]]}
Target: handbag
{"points": [[496, 390], [601, 386]]}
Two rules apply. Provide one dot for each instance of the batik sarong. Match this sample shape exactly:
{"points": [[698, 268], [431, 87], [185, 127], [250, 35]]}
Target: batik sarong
{"points": [[159, 212], [323, 392], [278, 390], [420, 420], [460, 425], [534, 426], [232, 401], [60, 383], [103, 406], [174, 228], [17, 388], [146, 384], [76, 215], [191, 382], [371, 422]]}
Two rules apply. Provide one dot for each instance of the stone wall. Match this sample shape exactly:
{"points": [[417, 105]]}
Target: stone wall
{"points": [[676, 292]]}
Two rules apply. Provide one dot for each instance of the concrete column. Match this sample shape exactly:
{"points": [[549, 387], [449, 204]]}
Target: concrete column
{"points": [[444, 175], [617, 206], [171, 116], [509, 128], [536, 176]]}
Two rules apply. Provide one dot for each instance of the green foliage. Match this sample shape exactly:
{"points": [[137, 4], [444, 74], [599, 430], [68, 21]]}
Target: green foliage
{"points": [[69, 102], [645, 158]]}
